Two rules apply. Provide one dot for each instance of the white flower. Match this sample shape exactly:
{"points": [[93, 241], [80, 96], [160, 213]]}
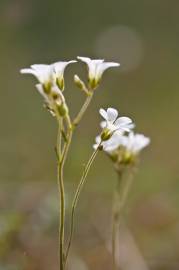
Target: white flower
{"points": [[114, 123], [113, 129], [96, 67], [48, 75], [134, 143], [43, 73], [59, 68], [109, 145]]}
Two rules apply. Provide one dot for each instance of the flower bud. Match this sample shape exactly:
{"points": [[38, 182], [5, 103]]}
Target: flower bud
{"points": [[79, 83], [62, 109]]}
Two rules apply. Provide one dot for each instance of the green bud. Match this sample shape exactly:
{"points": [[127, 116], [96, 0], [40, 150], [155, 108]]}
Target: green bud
{"points": [[106, 134], [79, 83], [62, 109]]}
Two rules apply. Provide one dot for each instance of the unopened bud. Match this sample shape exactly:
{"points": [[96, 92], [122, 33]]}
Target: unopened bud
{"points": [[62, 109], [79, 83]]}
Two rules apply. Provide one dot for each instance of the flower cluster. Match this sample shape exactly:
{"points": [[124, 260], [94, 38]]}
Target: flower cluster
{"points": [[51, 81], [51, 85], [117, 138]]}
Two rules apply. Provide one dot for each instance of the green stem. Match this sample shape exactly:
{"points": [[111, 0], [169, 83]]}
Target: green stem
{"points": [[76, 198], [83, 109], [62, 154], [61, 161], [120, 197]]}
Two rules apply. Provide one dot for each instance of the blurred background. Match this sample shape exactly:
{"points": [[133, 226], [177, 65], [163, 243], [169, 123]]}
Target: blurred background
{"points": [[143, 36]]}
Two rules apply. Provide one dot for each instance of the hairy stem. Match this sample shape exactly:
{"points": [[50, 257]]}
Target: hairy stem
{"points": [[76, 198]]}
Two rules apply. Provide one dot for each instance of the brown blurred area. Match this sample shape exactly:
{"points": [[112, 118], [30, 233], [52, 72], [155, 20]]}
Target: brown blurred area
{"points": [[141, 35]]}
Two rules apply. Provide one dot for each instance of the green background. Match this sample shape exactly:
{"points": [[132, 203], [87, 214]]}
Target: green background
{"points": [[143, 36]]}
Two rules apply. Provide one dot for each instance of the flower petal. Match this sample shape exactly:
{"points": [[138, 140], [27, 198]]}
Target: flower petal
{"points": [[121, 121], [61, 65], [107, 65], [41, 91], [86, 60], [103, 113], [103, 124], [112, 114], [27, 71]]}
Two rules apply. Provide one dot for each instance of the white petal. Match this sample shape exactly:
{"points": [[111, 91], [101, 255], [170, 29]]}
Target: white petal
{"points": [[135, 142], [112, 114], [113, 143], [98, 139], [123, 121], [40, 67], [107, 65], [103, 113], [60, 66], [27, 71], [41, 91], [86, 60], [103, 124], [95, 146]]}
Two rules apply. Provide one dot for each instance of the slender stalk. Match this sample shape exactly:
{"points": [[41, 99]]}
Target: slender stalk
{"points": [[62, 154], [120, 197], [83, 109], [76, 198], [59, 138], [61, 161]]}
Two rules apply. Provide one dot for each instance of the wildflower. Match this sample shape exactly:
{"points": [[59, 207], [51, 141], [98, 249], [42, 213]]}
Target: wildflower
{"points": [[59, 68], [113, 129], [113, 123], [43, 73], [48, 75], [125, 149], [96, 68], [134, 143]]}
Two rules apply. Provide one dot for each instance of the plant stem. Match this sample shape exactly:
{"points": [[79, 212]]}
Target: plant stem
{"points": [[62, 154], [83, 109], [76, 198], [120, 196], [61, 162]]}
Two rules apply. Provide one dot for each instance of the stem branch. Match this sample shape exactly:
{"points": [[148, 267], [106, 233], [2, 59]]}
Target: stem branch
{"points": [[83, 109]]}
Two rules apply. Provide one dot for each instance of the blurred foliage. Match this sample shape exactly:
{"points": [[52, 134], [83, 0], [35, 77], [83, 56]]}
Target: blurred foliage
{"points": [[143, 37]]}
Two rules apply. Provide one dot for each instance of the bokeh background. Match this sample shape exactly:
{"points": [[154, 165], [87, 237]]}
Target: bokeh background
{"points": [[143, 36]]}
